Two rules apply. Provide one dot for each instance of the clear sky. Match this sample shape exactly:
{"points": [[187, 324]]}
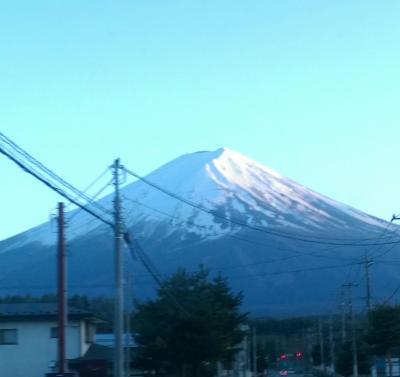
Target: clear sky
{"points": [[308, 88]]}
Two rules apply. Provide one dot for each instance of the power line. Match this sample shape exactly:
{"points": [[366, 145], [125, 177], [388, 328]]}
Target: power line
{"points": [[320, 268], [94, 197], [25, 164], [381, 236], [94, 182], [183, 222], [295, 271], [19, 154], [160, 283], [388, 250], [387, 300], [137, 252], [245, 225], [258, 263], [53, 187]]}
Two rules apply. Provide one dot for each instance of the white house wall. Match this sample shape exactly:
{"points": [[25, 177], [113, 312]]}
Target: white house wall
{"points": [[35, 350]]}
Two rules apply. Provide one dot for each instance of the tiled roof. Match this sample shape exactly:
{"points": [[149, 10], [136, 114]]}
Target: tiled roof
{"points": [[23, 310], [97, 352]]}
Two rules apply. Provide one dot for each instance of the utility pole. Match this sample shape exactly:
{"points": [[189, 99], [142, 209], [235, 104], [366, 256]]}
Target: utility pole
{"points": [[321, 344], [349, 286], [254, 350], [62, 291], [247, 367], [119, 307], [128, 302], [368, 262], [344, 335], [331, 344], [310, 340]]}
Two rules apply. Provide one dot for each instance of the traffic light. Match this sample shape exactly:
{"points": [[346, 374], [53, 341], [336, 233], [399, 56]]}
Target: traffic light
{"points": [[283, 356], [299, 355]]}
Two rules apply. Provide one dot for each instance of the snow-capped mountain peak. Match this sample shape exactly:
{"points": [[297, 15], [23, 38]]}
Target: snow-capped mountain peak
{"points": [[239, 188], [223, 181]]}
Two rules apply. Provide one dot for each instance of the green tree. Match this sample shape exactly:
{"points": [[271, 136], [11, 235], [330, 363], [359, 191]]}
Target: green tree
{"points": [[193, 322], [384, 331]]}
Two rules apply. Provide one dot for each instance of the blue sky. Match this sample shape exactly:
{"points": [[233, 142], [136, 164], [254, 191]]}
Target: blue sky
{"points": [[308, 88]]}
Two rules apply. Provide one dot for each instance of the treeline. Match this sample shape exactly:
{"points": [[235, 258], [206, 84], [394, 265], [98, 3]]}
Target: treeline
{"points": [[18, 299], [376, 335], [194, 312]]}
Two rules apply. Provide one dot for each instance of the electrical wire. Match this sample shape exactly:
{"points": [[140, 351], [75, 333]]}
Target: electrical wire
{"points": [[292, 236], [94, 197], [320, 268], [53, 187], [182, 223], [388, 250], [295, 271], [383, 233], [30, 159], [93, 183], [296, 254], [387, 300], [31, 170], [138, 253]]}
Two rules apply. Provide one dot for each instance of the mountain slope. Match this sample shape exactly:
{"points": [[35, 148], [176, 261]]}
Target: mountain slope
{"points": [[225, 178], [174, 233]]}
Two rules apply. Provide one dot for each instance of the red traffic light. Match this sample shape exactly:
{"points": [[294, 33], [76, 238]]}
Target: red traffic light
{"points": [[283, 356], [299, 355]]}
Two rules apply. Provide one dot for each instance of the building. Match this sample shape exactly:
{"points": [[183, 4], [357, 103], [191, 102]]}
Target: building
{"points": [[28, 338], [103, 349]]}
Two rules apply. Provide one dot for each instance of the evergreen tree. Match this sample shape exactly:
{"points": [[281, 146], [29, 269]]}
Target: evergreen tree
{"points": [[384, 331], [192, 323]]}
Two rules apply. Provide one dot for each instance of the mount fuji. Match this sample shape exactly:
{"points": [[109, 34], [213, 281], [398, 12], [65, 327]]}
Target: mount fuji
{"points": [[286, 247]]}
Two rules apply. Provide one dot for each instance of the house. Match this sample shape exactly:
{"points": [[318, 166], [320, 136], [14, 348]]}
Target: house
{"points": [[28, 338], [96, 362], [102, 350]]}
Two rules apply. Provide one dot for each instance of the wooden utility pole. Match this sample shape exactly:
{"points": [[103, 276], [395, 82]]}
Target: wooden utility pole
{"points": [[62, 291], [119, 305]]}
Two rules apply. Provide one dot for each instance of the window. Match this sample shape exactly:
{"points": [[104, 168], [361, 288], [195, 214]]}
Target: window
{"points": [[53, 332], [8, 336]]}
